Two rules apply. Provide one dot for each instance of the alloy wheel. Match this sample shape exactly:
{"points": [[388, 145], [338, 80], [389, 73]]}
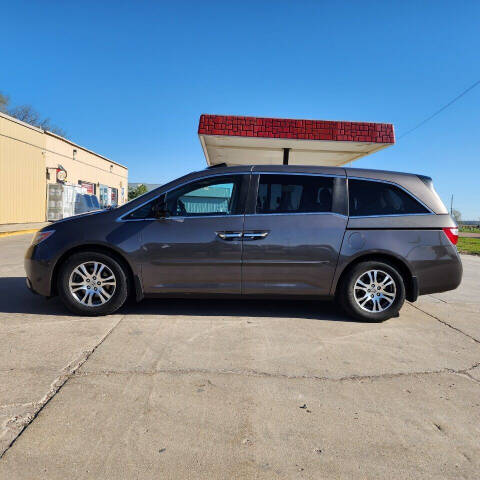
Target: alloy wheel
{"points": [[92, 283], [374, 291]]}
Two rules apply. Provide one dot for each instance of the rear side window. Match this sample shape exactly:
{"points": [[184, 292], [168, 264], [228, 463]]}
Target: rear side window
{"points": [[378, 198], [294, 194]]}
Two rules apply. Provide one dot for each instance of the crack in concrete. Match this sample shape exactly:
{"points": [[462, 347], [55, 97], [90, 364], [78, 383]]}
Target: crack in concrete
{"points": [[437, 298], [467, 375], [21, 423], [445, 323], [40, 369], [256, 373]]}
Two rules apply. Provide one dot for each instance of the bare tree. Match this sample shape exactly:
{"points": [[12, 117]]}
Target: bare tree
{"points": [[457, 216], [3, 103], [27, 114]]}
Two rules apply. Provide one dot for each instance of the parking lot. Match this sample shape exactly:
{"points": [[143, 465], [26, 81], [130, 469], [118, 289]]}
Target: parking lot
{"points": [[210, 389]]}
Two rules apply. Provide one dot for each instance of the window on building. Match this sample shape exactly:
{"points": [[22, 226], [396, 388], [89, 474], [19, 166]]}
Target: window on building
{"points": [[294, 194], [378, 198], [90, 188]]}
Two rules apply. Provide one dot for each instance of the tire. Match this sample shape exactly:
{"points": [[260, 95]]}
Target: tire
{"points": [[387, 299], [84, 292]]}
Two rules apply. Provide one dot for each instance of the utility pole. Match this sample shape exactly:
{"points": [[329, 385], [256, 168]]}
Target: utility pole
{"points": [[451, 205]]}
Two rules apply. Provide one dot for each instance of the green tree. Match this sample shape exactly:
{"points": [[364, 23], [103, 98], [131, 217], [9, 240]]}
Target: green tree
{"points": [[134, 192]]}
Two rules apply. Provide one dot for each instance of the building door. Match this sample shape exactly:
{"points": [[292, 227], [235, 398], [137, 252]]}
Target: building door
{"points": [[105, 196], [292, 240], [198, 247], [114, 197]]}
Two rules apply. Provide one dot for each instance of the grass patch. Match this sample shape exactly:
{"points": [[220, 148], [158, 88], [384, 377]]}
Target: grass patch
{"points": [[469, 245], [468, 229]]}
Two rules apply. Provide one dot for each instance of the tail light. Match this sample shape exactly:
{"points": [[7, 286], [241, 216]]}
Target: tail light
{"points": [[452, 234]]}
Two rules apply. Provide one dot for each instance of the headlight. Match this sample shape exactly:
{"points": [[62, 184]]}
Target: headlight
{"points": [[41, 236]]}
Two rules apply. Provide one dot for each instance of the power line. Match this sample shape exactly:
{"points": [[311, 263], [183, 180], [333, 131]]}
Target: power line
{"points": [[423, 122]]}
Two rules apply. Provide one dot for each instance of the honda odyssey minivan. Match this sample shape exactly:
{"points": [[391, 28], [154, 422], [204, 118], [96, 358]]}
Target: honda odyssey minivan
{"points": [[368, 238]]}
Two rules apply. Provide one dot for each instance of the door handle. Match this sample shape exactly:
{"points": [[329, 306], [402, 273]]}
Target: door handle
{"points": [[254, 235], [229, 235]]}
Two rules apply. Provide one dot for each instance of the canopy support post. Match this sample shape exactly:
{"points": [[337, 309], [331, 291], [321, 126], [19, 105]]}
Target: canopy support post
{"points": [[286, 154]]}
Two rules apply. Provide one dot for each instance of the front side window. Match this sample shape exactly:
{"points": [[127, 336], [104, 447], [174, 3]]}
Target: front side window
{"points": [[368, 198], [294, 194], [206, 197]]}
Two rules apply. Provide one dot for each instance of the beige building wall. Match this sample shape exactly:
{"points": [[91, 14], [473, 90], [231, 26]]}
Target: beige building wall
{"points": [[22, 172], [83, 165], [29, 158]]}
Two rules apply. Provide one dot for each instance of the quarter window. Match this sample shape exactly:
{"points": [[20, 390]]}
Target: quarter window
{"points": [[294, 194], [377, 198]]}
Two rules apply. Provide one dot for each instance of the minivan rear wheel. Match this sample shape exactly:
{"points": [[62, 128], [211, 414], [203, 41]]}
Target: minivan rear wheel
{"points": [[372, 291], [92, 283]]}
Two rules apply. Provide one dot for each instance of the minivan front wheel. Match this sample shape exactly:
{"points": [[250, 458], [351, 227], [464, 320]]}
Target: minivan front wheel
{"points": [[92, 283], [372, 291]]}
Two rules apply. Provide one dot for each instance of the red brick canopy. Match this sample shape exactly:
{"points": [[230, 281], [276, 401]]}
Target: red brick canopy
{"points": [[232, 125]]}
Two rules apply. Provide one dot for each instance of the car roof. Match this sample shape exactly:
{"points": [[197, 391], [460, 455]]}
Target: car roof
{"points": [[343, 171]]}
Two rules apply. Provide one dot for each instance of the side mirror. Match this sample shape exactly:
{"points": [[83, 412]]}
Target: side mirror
{"points": [[159, 209]]}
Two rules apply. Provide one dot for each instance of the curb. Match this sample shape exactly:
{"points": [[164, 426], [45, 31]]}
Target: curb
{"points": [[18, 232]]}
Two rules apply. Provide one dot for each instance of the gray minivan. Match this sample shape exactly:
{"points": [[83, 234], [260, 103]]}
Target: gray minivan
{"points": [[368, 238]]}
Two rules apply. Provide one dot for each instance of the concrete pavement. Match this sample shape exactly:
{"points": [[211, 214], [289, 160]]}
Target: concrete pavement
{"points": [[469, 234], [253, 389]]}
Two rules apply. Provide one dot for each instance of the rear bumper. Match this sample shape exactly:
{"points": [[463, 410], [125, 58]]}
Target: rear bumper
{"points": [[441, 275]]}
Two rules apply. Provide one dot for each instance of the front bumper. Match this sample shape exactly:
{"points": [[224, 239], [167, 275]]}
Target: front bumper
{"points": [[39, 272], [29, 286]]}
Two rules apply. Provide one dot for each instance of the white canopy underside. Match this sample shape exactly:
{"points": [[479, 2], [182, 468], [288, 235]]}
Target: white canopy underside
{"points": [[235, 150]]}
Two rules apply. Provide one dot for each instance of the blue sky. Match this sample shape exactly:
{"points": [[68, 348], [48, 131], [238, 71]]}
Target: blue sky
{"points": [[130, 79]]}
